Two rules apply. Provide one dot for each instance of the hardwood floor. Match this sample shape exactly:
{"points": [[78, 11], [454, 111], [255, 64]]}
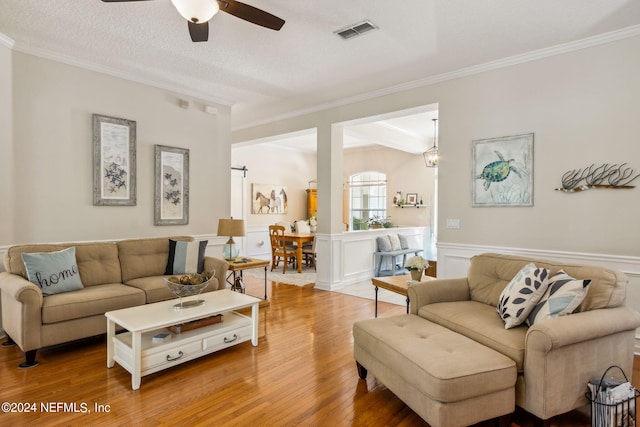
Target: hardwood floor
{"points": [[301, 373]]}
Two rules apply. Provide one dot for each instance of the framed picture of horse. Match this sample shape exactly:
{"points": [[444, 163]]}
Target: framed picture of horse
{"points": [[269, 199]]}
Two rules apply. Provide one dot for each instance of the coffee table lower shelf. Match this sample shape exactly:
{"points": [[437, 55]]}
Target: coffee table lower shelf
{"points": [[137, 352], [234, 329]]}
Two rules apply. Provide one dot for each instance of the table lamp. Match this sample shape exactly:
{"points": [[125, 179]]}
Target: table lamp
{"points": [[230, 227]]}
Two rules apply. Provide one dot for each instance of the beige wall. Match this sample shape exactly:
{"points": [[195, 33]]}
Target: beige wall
{"points": [[52, 150], [272, 165], [582, 107], [405, 172], [6, 144]]}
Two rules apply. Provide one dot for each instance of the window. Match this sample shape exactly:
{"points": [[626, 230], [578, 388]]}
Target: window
{"points": [[368, 196]]}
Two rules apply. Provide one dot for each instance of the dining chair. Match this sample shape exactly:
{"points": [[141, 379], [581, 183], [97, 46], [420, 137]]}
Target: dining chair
{"points": [[309, 253], [279, 248]]}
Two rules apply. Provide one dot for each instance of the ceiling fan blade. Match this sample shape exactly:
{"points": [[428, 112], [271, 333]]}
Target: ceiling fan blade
{"points": [[251, 14], [199, 32]]}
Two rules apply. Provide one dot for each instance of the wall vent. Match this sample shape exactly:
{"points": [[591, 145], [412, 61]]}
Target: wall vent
{"points": [[356, 30]]}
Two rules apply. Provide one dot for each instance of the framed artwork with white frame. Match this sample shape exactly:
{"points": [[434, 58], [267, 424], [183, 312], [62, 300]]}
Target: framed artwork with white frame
{"points": [[502, 171]]}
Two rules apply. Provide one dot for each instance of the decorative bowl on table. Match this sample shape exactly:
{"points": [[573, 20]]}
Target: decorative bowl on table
{"points": [[186, 285]]}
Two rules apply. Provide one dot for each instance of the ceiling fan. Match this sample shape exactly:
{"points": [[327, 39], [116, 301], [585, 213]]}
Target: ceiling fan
{"points": [[199, 12]]}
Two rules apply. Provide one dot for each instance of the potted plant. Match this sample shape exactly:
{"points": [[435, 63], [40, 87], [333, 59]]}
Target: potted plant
{"points": [[416, 266], [379, 222], [313, 223]]}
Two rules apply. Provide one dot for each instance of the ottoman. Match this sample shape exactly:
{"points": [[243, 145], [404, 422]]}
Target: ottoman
{"points": [[446, 378]]}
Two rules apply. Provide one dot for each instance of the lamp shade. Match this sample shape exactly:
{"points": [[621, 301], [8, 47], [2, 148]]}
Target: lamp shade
{"points": [[196, 11], [231, 227]]}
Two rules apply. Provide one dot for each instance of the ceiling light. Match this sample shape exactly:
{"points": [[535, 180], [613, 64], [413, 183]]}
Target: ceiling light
{"points": [[196, 11], [431, 155]]}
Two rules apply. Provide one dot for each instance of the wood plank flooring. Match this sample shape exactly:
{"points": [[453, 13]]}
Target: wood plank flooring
{"points": [[301, 373]]}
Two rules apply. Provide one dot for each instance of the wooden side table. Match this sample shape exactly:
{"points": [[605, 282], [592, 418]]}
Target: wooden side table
{"points": [[397, 284], [238, 265]]}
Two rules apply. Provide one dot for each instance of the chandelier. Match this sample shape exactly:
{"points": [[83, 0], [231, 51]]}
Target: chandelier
{"points": [[431, 155]]}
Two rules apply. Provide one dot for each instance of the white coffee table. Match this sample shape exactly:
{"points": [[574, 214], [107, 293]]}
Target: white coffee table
{"points": [[136, 351]]}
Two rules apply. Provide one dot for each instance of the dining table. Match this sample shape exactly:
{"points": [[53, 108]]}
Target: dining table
{"points": [[299, 239]]}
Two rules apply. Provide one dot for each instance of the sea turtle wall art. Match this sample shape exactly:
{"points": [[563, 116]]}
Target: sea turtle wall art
{"points": [[503, 171]]}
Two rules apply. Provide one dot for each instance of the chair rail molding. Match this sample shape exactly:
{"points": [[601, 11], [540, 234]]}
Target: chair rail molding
{"points": [[454, 259]]}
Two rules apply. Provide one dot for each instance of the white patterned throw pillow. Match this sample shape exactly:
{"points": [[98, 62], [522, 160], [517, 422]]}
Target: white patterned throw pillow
{"points": [[562, 297], [520, 296]]}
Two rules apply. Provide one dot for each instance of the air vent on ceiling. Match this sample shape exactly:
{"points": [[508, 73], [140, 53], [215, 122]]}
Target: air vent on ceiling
{"points": [[356, 30]]}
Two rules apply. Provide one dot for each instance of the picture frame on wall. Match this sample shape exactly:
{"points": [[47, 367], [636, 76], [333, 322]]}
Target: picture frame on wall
{"points": [[269, 199], [502, 171], [412, 199], [114, 161], [171, 202]]}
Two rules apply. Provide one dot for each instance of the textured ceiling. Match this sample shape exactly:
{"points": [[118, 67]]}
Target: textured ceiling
{"points": [[265, 74]]}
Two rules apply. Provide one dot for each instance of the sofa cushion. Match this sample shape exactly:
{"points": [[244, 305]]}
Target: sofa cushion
{"points": [[186, 257], [145, 257], [89, 301], [563, 296], [54, 272], [490, 273], [522, 294], [481, 323], [98, 262]]}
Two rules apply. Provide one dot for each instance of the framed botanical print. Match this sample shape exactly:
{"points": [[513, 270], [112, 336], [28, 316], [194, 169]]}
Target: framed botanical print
{"points": [[114, 161], [171, 205]]}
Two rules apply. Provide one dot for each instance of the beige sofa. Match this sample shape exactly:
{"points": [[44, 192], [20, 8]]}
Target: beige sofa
{"points": [[114, 275], [554, 359]]}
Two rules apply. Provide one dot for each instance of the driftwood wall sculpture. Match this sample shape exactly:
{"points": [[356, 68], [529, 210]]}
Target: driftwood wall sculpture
{"points": [[603, 176]]}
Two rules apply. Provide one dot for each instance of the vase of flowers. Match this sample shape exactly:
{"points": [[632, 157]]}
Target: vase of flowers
{"points": [[416, 266], [313, 223]]}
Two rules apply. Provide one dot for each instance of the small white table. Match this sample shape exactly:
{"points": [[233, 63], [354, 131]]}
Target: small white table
{"points": [[136, 351]]}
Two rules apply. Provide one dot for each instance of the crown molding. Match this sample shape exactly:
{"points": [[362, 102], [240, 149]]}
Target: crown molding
{"points": [[87, 65], [535, 55], [6, 41]]}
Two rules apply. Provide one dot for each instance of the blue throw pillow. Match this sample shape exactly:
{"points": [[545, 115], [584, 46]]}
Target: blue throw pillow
{"points": [[53, 272], [186, 257]]}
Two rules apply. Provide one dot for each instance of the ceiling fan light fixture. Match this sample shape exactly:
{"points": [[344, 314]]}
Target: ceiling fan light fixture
{"points": [[196, 11]]}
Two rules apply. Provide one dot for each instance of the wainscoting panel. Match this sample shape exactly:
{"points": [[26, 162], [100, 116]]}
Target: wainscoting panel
{"points": [[257, 243], [454, 260], [357, 263]]}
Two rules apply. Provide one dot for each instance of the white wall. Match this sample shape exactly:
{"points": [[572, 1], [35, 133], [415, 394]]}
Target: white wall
{"points": [[52, 153]]}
